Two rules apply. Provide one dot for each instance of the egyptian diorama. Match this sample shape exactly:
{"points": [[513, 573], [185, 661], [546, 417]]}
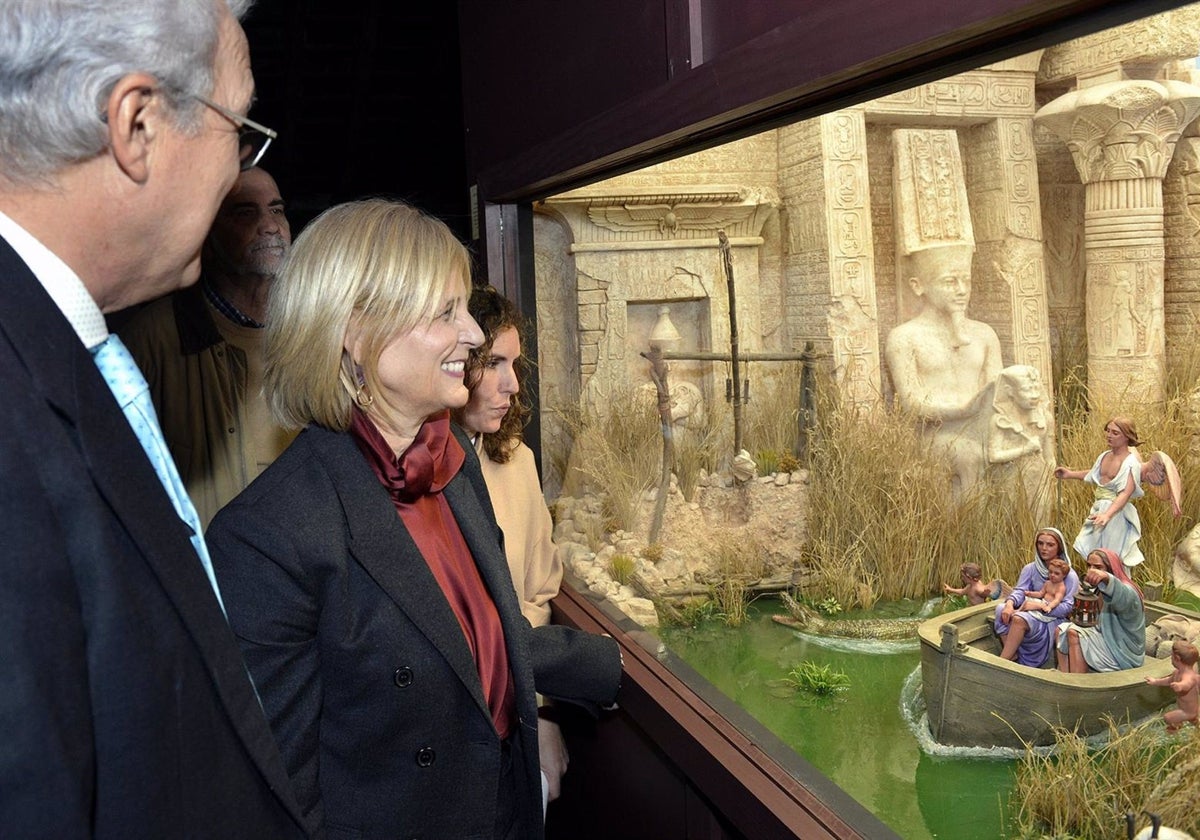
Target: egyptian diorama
{"points": [[831, 365]]}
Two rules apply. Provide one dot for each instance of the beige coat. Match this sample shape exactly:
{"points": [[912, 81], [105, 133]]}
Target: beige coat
{"points": [[528, 532]]}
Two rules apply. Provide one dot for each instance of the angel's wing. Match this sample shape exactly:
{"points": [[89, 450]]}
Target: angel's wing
{"points": [[1162, 475]]}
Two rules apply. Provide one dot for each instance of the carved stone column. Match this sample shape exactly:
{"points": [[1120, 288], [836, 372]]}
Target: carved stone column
{"points": [[1122, 136]]}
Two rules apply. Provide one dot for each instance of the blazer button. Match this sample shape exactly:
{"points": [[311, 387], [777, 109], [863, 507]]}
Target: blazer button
{"points": [[403, 677], [425, 757]]}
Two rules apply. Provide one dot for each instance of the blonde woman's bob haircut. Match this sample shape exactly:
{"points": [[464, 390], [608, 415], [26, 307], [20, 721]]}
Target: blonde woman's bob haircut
{"points": [[381, 266]]}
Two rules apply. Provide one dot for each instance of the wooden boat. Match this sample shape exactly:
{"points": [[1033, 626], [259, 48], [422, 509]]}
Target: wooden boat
{"points": [[975, 698]]}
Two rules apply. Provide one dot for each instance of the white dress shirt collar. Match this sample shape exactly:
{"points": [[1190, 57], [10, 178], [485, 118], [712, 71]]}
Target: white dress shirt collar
{"points": [[60, 282]]}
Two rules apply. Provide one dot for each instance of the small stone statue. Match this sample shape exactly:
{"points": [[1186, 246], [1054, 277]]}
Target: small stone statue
{"points": [[1019, 436], [1019, 426]]}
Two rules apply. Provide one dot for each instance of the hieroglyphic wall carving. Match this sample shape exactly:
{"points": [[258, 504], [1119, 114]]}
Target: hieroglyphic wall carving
{"points": [[1181, 230], [969, 96], [853, 320], [1019, 265], [1149, 41], [1010, 279]]}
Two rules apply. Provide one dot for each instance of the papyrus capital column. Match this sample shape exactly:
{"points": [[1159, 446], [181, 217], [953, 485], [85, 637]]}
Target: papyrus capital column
{"points": [[1122, 135]]}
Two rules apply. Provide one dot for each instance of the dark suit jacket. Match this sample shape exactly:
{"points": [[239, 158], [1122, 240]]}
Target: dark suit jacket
{"points": [[124, 705], [363, 668]]}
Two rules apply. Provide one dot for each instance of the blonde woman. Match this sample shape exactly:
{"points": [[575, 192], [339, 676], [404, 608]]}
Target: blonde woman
{"points": [[363, 572]]}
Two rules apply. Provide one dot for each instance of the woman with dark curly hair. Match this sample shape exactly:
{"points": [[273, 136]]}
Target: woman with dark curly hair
{"points": [[494, 418]]}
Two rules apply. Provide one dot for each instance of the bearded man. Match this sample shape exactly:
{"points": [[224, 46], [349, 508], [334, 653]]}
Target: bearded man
{"points": [[201, 350]]}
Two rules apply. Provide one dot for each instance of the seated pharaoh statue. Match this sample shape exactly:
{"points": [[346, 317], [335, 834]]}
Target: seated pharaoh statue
{"points": [[943, 363]]}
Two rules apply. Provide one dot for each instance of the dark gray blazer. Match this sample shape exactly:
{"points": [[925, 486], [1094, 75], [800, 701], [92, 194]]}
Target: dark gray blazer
{"points": [[125, 707], [362, 667]]}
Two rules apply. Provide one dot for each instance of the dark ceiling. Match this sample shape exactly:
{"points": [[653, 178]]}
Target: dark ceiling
{"points": [[366, 98]]}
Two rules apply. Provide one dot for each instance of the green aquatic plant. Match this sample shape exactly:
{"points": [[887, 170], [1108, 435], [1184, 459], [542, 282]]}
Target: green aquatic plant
{"points": [[827, 606], [821, 680]]}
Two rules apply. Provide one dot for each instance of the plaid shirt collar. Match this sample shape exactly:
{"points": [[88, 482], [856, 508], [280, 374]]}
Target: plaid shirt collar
{"points": [[228, 309]]}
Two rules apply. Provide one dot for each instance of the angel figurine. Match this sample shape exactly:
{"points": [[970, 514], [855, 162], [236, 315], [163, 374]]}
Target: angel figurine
{"points": [[1113, 522]]}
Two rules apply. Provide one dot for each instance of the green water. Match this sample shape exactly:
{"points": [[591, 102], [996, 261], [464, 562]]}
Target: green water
{"points": [[860, 740]]}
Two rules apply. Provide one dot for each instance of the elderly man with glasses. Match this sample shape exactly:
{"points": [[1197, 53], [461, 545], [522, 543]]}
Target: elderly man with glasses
{"points": [[125, 706], [201, 350]]}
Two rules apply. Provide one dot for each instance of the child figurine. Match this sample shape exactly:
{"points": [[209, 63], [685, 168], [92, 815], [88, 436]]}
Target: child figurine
{"points": [[1185, 682], [1050, 595], [975, 590]]}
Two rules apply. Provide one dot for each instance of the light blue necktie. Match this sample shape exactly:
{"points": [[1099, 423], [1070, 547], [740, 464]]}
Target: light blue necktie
{"points": [[125, 380]]}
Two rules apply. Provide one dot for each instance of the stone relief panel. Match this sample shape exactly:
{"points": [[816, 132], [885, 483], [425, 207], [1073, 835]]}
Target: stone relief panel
{"points": [[676, 220], [1181, 225], [1149, 42], [804, 234], [1188, 174], [1020, 267], [751, 160], [963, 98], [1064, 245], [853, 319], [1021, 180], [1125, 288]]}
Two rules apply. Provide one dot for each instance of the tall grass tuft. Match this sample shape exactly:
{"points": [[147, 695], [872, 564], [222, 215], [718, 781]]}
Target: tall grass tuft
{"points": [[617, 452], [701, 446], [773, 412], [739, 561], [1079, 792], [883, 523]]}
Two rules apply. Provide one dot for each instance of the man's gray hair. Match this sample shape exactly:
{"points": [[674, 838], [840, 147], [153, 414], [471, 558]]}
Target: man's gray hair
{"points": [[60, 60]]}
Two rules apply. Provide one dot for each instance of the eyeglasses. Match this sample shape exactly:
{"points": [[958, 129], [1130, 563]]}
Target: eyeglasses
{"points": [[253, 138]]}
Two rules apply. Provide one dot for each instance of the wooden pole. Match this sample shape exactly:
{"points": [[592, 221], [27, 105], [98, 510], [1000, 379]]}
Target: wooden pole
{"points": [[658, 373], [727, 260]]}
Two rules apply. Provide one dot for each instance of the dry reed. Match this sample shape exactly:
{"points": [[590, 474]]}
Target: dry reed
{"points": [[739, 561], [883, 523], [1080, 792], [617, 453], [699, 447], [772, 415]]}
